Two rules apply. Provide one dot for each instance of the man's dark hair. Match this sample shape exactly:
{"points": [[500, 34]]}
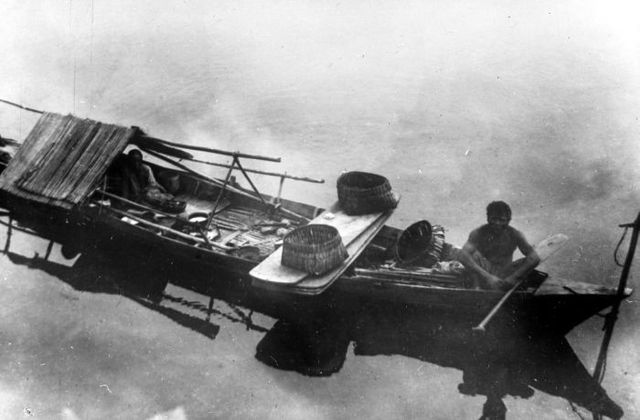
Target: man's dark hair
{"points": [[499, 208], [135, 152]]}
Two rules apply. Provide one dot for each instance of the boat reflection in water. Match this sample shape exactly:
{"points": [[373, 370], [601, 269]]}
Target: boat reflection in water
{"points": [[492, 367]]}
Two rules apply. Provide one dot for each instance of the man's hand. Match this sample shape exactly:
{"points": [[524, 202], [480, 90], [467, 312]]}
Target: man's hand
{"points": [[495, 282], [508, 282]]}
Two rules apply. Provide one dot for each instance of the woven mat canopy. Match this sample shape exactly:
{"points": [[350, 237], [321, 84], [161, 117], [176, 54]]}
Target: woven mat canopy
{"points": [[63, 159]]}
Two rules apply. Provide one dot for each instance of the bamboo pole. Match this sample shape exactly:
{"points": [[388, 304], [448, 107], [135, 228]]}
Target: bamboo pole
{"points": [[26, 108], [255, 171], [209, 150], [211, 181], [169, 143]]}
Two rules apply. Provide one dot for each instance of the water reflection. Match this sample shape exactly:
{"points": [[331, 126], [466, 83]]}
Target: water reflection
{"points": [[491, 367]]}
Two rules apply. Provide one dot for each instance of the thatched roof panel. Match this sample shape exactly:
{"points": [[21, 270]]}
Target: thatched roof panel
{"points": [[63, 158]]}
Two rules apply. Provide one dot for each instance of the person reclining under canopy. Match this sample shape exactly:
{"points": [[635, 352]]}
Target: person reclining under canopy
{"points": [[139, 183], [488, 253]]}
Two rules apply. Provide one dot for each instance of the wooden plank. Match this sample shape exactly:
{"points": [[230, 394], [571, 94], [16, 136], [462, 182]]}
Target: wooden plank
{"points": [[349, 227], [419, 276], [559, 286], [314, 285]]}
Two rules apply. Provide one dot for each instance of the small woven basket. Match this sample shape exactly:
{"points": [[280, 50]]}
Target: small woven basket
{"points": [[420, 244], [314, 249], [364, 193]]}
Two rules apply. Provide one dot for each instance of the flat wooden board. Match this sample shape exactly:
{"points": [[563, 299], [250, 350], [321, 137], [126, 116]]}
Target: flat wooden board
{"points": [[314, 285], [349, 227], [559, 286], [550, 245]]}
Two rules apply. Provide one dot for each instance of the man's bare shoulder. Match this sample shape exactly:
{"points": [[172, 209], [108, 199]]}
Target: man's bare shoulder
{"points": [[477, 234], [516, 232], [524, 245]]}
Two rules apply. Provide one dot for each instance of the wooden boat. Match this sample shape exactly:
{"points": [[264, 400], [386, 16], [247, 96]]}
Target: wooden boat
{"points": [[60, 185]]}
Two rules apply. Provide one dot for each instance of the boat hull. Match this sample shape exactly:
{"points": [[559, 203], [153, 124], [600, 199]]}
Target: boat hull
{"points": [[550, 311]]}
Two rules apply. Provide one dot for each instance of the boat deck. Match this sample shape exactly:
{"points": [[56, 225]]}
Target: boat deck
{"points": [[233, 226]]}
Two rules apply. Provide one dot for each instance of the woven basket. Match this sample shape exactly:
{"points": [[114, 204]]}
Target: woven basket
{"points": [[420, 244], [314, 249], [363, 193]]}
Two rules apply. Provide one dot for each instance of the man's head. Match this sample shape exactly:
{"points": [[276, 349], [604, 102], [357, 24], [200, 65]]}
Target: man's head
{"points": [[135, 157], [498, 214]]}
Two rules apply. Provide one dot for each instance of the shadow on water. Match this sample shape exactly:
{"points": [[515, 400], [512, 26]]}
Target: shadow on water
{"points": [[492, 368], [140, 279], [93, 274]]}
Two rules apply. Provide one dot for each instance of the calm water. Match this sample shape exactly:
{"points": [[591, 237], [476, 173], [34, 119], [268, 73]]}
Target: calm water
{"points": [[456, 104]]}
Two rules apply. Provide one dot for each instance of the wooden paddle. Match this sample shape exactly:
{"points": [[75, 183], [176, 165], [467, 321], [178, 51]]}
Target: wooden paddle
{"points": [[544, 249]]}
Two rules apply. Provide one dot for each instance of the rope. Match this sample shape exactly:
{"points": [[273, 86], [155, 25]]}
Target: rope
{"points": [[615, 253]]}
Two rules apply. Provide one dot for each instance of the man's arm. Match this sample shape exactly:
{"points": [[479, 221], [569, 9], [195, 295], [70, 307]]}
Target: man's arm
{"points": [[467, 260], [151, 180], [532, 259]]}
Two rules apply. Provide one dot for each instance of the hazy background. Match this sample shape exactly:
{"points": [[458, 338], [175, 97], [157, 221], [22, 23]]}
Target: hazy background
{"points": [[457, 103]]}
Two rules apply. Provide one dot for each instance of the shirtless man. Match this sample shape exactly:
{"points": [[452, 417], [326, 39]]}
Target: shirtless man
{"points": [[488, 253]]}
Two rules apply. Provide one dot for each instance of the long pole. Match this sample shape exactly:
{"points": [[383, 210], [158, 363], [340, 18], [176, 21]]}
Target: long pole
{"points": [[482, 325], [612, 316], [209, 150], [629, 260], [255, 171], [26, 108], [183, 146]]}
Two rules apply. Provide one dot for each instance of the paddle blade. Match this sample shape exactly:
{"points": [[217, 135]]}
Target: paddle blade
{"points": [[550, 245]]}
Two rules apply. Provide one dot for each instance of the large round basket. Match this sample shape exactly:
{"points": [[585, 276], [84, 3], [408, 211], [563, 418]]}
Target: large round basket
{"points": [[421, 244], [363, 193], [314, 249]]}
